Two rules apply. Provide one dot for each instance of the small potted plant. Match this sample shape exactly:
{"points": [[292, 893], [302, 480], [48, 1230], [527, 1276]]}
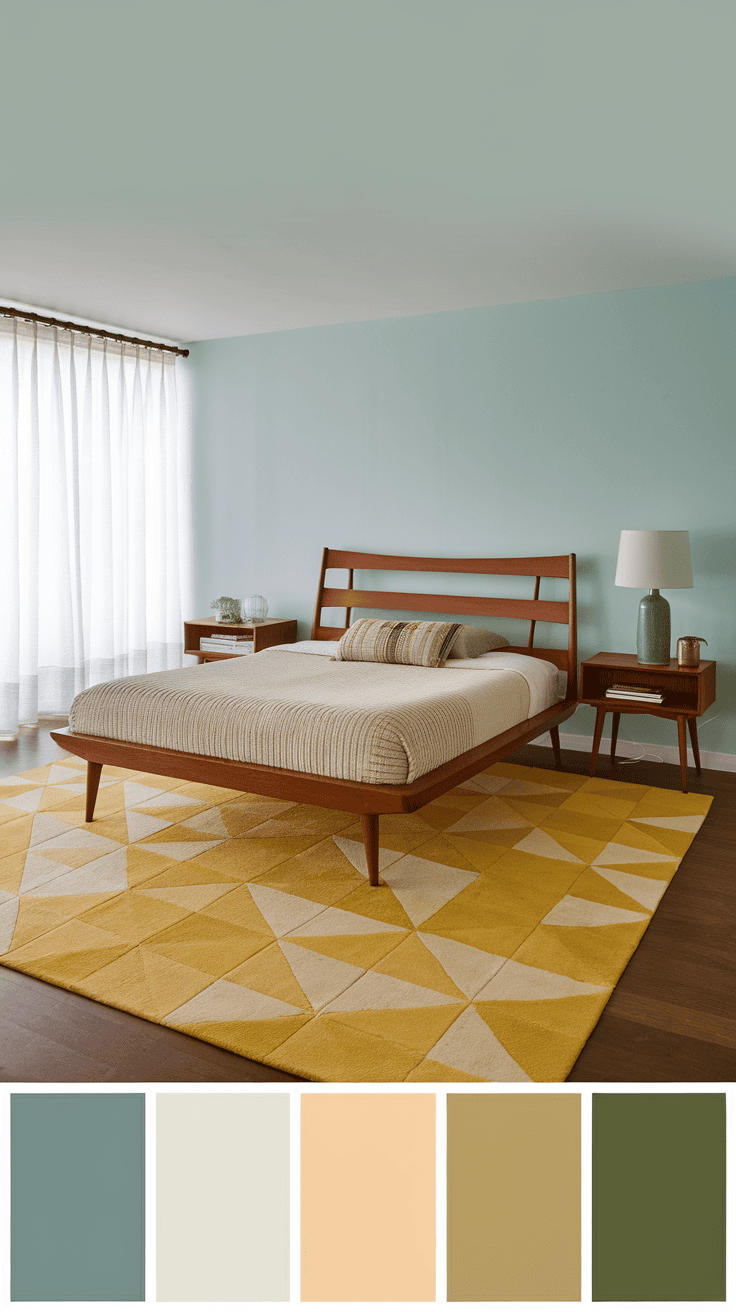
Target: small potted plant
{"points": [[228, 610]]}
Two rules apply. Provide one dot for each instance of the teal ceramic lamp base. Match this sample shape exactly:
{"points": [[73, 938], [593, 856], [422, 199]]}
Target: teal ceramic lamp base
{"points": [[653, 630]]}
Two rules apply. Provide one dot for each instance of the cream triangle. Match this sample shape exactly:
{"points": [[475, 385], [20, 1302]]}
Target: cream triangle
{"points": [[320, 978], [578, 911], [540, 843], [226, 1001], [470, 1045], [647, 892], [376, 991], [468, 967], [283, 912], [516, 982]]}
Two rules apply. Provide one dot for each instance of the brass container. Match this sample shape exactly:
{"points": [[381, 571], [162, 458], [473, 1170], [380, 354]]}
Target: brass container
{"points": [[688, 650]]}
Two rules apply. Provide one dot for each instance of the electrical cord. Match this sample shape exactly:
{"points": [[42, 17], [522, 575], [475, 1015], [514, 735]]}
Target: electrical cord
{"points": [[649, 756]]}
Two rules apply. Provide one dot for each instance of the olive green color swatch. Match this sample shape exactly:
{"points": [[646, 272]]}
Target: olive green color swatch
{"points": [[513, 1197], [659, 1197], [77, 1197]]}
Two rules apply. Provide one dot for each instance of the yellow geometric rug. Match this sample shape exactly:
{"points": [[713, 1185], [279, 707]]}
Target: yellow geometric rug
{"points": [[510, 908]]}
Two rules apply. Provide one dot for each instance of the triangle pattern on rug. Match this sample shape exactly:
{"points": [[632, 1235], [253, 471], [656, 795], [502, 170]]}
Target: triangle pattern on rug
{"points": [[141, 825], [685, 824], [180, 851], [108, 874], [540, 843], [320, 978], [191, 896], [335, 921], [528, 788], [224, 1000], [619, 854], [208, 822], [63, 774], [578, 911], [355, 853], [516, 982], [647, 892], [375, 991], [27, 802], [424, 887], [47, 825], [492, 814], [39, 870], [469, 1045], [485, 783], [468, 967], [139, 794], [283, 912]]}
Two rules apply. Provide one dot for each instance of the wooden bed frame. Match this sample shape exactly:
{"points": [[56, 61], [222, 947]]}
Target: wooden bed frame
{"points": [[370, 801]]}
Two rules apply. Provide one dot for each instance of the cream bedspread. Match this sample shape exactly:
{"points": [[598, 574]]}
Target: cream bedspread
{"points": [[295, 708]]}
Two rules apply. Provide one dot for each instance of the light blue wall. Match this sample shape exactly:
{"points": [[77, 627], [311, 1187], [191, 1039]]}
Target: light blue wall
{"points": [[544, 427]]}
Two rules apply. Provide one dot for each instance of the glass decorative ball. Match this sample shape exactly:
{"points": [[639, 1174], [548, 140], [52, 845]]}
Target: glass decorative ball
{"points": [[254, 608]]}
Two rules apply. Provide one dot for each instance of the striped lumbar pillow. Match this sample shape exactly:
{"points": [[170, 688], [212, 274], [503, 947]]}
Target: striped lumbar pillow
{"points": [[397, 642]]}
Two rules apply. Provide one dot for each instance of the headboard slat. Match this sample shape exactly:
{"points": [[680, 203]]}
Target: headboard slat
{"points": [[547, 567], [555, 612]]}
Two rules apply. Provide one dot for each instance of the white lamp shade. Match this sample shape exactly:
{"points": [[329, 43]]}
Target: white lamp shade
{"points": [[654, 558]]}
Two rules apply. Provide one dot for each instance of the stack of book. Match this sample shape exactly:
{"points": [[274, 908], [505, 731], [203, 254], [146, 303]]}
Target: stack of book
{"points": [[228, 642], [635, 692]]}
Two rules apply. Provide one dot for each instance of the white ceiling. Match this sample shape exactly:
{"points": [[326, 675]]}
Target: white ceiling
{"points": [[209, 168]]}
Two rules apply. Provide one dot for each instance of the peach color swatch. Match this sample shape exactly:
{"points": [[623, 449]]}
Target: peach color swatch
{"points": [[368, 1197]]}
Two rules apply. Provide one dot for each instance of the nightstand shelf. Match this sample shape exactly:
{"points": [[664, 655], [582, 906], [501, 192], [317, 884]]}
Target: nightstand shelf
{"points": [[688, 691], [265, 633]]}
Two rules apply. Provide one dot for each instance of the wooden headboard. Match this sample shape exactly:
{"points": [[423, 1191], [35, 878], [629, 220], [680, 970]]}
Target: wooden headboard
{"points": [[525, 608]]}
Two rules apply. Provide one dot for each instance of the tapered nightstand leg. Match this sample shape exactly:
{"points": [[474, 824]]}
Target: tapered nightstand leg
{"points": [[600, 716], [614, 735], [682, 739], [693, 725], [554, 734]]}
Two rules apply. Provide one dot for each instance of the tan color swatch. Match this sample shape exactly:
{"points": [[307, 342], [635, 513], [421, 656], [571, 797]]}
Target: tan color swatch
{"points": [[368, 1197], [513, 1197]]}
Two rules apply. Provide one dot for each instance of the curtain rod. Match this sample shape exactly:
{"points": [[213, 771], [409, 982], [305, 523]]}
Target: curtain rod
{"points": [[86, 330]]}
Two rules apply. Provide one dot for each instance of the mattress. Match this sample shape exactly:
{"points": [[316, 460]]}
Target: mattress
{"points": [[295, 708]]}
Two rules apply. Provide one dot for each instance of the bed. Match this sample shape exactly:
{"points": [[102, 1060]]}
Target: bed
{"points": [[201, 723]]}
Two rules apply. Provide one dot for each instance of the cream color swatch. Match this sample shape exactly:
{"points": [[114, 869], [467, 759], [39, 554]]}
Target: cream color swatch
{"points": [[368, 1197], [222, 1198], [513, 1197]]}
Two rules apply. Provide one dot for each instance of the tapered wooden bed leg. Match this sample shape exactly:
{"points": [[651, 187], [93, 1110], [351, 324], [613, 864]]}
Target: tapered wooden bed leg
{"points": [[93, 782], [370, 842], [554, 734]]}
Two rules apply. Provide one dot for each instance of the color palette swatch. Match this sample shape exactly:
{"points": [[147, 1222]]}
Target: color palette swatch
{"points": [[222, 1198], [368, 1197], [513, 1197], [229, 1215], [77, 1197], [659, 1195]]}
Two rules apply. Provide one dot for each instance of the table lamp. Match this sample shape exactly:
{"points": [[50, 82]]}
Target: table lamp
{"points": [[654, 559]]}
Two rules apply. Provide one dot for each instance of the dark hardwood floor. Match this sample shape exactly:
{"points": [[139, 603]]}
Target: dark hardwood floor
{"points": [[671, 1018]]}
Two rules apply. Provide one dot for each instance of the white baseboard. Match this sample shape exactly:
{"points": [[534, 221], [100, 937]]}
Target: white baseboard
{"points": [[579, 742]]}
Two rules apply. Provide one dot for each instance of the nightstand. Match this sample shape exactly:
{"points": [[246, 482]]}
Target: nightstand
{"points": [[265, 633], [688, 691]]}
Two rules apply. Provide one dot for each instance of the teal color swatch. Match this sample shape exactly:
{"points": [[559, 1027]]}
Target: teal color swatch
{"points": [[659, 1197], [77, 1197]]}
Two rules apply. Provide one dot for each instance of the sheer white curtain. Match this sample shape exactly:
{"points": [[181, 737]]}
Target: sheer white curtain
{"points": [[94, 515]]}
